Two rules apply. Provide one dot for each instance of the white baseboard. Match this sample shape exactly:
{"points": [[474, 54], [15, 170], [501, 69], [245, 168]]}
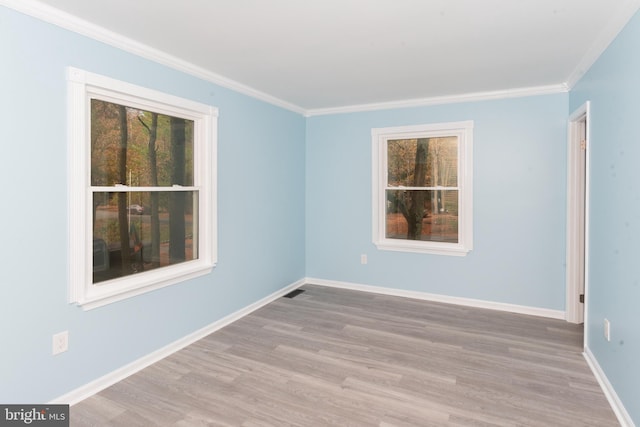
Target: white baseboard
{"points": [[512, 308], [616, 404], [119, 374]]}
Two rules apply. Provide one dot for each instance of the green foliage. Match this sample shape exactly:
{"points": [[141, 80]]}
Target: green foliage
{"points": [[105, 134], [105, 140]]}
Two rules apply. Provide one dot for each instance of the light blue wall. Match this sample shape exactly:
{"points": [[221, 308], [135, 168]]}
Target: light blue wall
{"points": [[519, 175], [613, 87], [261, 215]]}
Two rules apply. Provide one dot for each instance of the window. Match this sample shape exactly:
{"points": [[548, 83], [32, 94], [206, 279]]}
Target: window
{"points": [[422, 198], [142, 182]]}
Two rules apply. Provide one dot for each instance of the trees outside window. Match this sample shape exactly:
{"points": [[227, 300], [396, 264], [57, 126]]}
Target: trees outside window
{"points": [[142, 189], [422, 188], [143, 153]]}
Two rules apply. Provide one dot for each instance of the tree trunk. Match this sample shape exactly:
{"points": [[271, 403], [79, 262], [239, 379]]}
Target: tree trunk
{"points": [[177, 199], [155, 196], [122, 197], [435, 196], [415, 212]]}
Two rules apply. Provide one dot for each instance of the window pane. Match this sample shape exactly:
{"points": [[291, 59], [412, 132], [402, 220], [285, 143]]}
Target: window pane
{"points": [[430, 215], [422, 162], [443, 161], [157, 229], [139, 148]]}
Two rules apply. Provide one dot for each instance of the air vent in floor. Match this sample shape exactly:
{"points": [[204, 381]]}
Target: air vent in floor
{"points": [[294, 293]]}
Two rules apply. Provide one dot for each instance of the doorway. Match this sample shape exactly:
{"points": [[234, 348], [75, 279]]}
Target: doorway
{"points": [[577, 215]]}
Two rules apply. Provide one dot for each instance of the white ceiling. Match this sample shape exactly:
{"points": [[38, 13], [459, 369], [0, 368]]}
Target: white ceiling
{"points": [[322, 54]]}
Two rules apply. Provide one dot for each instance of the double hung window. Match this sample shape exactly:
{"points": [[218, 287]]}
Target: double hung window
{"points": [[422, 198], [142, 189]]}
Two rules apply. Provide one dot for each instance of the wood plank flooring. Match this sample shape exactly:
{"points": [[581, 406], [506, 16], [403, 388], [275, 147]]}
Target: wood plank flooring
{"points": [[347, 358]]}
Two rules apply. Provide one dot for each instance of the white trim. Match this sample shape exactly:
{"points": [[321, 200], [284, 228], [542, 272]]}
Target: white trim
{"points": [[587, 220], [83, 86], [70, 22], [610, 393], [620, 18], [119, 374], [467, 302], [440, 100], [379, 139], [574, 313], [83, 392]]}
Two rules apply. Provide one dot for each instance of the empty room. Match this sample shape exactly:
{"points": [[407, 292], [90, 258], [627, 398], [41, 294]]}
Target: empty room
{"points": [[358, 212]]}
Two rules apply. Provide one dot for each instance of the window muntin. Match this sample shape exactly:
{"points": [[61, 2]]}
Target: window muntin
{"points": [[422, 188], [142, 189]]}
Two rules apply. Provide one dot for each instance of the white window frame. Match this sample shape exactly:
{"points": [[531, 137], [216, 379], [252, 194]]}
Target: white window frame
{"points": [[82, 87], [380, 136]]}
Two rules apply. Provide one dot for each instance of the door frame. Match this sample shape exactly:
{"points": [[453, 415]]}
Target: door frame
{"points": [[576, 312]]}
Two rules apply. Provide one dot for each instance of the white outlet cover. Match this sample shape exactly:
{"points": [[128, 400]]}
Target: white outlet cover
{"points": [[60, 342], [607, 330]]}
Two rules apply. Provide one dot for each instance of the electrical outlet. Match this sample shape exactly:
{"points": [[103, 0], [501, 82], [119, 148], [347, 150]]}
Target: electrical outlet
{"points": [[363, 259], [60, 342], [607, 330]]}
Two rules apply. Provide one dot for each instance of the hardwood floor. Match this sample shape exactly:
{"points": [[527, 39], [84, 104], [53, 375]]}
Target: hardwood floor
{"points": [[341, 357]]}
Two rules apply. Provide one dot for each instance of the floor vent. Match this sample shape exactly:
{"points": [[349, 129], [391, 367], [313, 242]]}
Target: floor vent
{"points": [[294, 293]]}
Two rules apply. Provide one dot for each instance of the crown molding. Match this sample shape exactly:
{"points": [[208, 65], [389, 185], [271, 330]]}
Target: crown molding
{"points": [[439, 100], [608, 34], [70, 22]]}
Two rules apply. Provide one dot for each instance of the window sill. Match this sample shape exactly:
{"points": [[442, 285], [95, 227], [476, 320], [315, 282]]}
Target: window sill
{"points": [[433, 248], [108, 292]]}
